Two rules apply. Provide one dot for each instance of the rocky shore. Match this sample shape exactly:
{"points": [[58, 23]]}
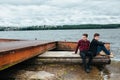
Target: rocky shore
{"points": [[25, 71]]}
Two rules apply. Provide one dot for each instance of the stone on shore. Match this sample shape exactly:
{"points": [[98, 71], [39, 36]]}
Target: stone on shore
{"points": [[42, 75]]}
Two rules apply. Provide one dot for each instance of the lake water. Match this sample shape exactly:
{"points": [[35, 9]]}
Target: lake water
{"points": [[107, 35]]}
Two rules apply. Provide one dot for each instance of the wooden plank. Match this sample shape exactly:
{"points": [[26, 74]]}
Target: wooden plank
{"points": [[68, 56]]}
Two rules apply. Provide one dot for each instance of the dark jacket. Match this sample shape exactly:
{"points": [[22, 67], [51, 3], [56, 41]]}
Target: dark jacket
{"points": [[94, 44], [83, 45]]}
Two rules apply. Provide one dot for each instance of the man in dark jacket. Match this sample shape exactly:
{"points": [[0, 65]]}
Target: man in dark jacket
{"points": [[83, 46], [97, 46]]}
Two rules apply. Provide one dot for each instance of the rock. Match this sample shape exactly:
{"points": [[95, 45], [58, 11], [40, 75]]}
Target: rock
{"points": [[42, 75]]}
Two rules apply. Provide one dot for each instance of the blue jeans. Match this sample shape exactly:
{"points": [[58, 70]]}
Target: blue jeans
{"points": [[100, 48], [84, 55]]}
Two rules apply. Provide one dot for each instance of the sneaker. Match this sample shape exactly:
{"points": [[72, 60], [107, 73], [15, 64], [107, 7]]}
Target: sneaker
{"points": [[111, 55], [87, 70], [90, 67]]}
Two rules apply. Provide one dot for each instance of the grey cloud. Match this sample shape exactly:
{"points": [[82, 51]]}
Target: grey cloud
{"points": [[52, 12], [23, 2]]}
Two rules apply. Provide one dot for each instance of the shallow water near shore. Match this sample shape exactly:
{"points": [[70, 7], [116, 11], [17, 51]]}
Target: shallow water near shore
{"points": [[62, 72], [112, 71]]}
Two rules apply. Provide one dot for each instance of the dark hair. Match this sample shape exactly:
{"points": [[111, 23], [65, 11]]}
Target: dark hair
{"points": [[85, 34], [96, 34]]}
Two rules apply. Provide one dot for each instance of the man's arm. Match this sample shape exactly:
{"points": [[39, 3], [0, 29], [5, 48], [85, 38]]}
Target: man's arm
{"points": [[78, 45], [100, 43], [89, 43]]}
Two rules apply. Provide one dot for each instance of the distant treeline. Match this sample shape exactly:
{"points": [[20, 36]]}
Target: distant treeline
{"points": [[62, 27]]}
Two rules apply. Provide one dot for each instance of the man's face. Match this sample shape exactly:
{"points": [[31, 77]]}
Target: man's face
{"points": [[84, 37], [97, 37]]}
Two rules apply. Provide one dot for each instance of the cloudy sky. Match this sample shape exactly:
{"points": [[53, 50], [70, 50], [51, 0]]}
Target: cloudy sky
{"points": [[58, 12]]}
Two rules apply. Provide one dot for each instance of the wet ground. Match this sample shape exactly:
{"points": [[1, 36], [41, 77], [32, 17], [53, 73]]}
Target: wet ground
{"points": [[112, 71], [61, 72]]}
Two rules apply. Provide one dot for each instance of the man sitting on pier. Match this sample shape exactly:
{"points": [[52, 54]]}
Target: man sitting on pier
{"points": [[96, 46], [83, 46]]}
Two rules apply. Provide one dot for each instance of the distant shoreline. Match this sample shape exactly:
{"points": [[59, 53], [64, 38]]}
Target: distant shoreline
{"points": [[61, 27]]}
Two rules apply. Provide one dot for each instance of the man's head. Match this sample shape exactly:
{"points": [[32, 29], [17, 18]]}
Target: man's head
{"points": [[85, 36], [96, 36]]}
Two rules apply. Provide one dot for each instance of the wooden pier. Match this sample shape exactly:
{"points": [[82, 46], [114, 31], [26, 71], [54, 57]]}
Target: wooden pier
{"points": [[15, 51]]}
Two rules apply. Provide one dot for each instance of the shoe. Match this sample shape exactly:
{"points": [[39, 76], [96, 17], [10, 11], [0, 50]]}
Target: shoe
{"points": [[90, 67], [111, 55], [81, 64], [87, 70]]}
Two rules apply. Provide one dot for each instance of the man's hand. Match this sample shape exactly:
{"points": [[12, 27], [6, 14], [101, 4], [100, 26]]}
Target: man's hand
{"points": [[75, 53]]}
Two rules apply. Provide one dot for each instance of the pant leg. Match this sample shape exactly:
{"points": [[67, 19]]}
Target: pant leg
{"points": [[100, 48], [90, 58], [83, 56]]}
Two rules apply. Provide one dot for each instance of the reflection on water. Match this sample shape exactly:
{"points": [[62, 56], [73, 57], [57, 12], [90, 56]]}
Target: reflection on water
{"points": [[112, 71]]}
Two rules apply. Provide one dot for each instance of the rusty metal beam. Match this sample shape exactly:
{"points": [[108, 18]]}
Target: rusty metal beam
{"points": [[66, 46], [23, 51], [9, 40]]}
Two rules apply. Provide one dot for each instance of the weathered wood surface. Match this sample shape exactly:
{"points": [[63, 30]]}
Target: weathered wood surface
{"points": [[68, 56]]}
